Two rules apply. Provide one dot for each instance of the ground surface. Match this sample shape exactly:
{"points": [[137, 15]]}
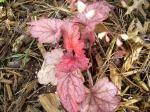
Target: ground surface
{"points": [[21, 58]]}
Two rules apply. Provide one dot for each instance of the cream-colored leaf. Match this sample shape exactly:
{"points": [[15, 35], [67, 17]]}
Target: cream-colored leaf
{"points": [[47, 74]]}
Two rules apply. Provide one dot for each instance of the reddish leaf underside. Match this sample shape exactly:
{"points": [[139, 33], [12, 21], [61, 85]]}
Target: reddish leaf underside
{"points": [[75, 57], [101, 98], [46, 30], [70, 89], [71, 37], [71, 62]]}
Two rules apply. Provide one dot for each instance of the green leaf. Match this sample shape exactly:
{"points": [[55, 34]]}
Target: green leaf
{"points": [[2, 1]]}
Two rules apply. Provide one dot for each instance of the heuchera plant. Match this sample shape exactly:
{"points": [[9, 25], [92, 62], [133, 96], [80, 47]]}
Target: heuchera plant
{"points": [[63, 67]]}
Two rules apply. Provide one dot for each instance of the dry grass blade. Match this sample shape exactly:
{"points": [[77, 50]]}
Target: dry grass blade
{"points": [[140, 83], [9, 92], [21, 99]]}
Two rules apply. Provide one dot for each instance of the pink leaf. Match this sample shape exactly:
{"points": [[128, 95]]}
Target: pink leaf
{"points": [[71, 37], [74, 58], [46, 30], [101, 98], [71, 90], [71, 62], [54, 56], [93, 14], [47, 72]]}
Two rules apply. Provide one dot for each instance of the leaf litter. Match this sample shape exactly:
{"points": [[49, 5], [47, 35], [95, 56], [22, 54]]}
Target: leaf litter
{"points": [[118, 59]]}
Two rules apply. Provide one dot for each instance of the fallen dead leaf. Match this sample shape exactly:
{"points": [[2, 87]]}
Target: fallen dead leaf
{"points": [[50, 102]]}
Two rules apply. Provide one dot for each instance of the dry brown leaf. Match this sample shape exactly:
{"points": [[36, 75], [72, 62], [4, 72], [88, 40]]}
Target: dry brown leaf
{"points": [[101, 28], [132, 57], [115, 77], [137, 4], [134, 28], [99, 60], [50, 102]]}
